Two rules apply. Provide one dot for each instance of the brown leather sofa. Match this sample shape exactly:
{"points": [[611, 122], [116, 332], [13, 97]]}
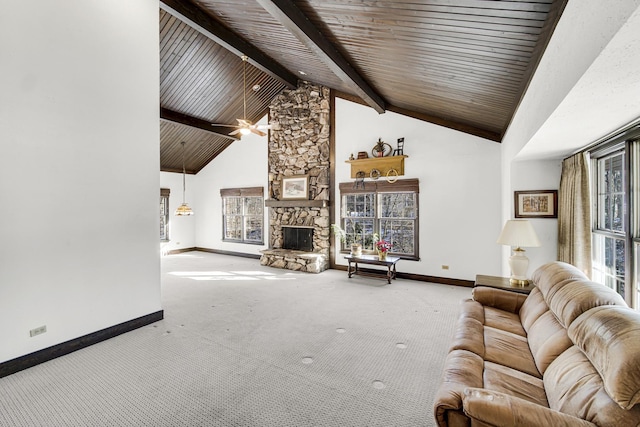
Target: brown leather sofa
{"points": [[568, 354]]}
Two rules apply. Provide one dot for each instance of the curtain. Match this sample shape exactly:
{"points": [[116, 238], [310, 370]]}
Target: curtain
{"points": [[574, 213]]}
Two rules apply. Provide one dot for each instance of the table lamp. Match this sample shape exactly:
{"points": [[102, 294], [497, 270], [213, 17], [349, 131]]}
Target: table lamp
{"points": [[518, 233]]}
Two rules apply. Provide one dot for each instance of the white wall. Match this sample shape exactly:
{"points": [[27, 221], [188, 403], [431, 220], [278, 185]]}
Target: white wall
{"points": [[79, 178], [537, 175], [182, 229], [242, 164], [459, 177]]}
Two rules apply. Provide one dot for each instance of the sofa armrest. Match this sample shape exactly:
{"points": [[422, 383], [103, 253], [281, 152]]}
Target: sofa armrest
{"points": [[498, 298], [500, 409]]}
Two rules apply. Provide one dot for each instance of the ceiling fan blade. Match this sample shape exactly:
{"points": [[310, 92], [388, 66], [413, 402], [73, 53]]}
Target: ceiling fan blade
{"points": [[257, 132], [244, 122], [235, 132], [263, 127]]}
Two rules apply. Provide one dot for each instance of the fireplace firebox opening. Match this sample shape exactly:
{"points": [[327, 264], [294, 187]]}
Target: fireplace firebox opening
{"points": [[297, 238]]}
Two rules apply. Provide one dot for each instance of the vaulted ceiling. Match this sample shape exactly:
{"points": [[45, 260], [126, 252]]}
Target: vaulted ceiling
{"points": [[464, 64]]}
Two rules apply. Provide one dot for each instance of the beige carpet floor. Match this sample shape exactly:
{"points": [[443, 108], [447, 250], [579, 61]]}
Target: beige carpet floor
{"points": [[246, 345]]}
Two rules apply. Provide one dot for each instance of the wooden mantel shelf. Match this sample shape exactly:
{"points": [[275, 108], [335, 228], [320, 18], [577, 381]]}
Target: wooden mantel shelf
{"points": [[382, 164], [271, 203]]}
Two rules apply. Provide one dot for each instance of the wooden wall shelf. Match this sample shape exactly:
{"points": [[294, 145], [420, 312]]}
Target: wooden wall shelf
{"points": [[383, 164]]}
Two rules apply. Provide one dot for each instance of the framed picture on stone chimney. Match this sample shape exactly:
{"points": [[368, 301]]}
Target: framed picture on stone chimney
{"points": [[295, 187]]}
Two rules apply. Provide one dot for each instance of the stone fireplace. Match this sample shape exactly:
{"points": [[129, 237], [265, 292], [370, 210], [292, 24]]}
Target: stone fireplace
{"points": [[299, 145]]}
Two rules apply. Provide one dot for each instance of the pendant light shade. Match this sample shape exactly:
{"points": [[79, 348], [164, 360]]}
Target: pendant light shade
{"points": [[183, 209]]}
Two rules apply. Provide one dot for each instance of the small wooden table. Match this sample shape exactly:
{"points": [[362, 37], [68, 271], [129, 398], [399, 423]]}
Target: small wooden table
{"points": [[502, 283], [389, 262]]}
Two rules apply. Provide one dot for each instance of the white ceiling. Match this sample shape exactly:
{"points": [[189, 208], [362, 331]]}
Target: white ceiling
{"points": [[605, 98]]}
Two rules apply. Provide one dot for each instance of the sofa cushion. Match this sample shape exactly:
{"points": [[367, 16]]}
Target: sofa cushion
{"points": [[573, 299], [610, 338], [503, 320], [498, 377], [547, 340], [510, 350], [574, 387], [552, 274], [533, 307]]}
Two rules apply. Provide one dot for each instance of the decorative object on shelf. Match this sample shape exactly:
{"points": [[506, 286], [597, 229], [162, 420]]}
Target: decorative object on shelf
{"points": [[536, 204], [381, 149], [382, 246], [392, 176], [359, 182], [518, 233], [362, 155], [184, 209], [374, 174], [399, 151], [351, 157]]}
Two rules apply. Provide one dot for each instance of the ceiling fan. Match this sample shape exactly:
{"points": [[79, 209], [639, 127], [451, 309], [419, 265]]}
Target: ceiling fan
{"points": [[244, 126]]}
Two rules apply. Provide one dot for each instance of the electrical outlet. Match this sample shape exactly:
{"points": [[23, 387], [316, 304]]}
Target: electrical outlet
{"points": [[445, 267], [37, 331]]}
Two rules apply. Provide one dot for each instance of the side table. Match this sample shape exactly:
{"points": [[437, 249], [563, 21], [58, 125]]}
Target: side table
{"points": [[502, 283]]}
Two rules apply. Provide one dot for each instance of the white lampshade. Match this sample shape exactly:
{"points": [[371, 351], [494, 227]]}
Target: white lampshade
{"points": [[518, 233]]}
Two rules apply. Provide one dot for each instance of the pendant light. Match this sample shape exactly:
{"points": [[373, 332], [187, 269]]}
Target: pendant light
{"points": [[183, 209]]}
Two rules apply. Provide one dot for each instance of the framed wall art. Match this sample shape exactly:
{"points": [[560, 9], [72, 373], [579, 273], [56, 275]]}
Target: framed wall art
{"points": [[536, 204], [295, 187]]}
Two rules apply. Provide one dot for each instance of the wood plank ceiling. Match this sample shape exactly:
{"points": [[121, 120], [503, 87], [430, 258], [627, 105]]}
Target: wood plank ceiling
{"points": [[464, 64]]}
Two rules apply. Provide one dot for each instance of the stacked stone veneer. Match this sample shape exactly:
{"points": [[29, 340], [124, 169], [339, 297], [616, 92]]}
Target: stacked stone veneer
{"points": [[299, 145]]}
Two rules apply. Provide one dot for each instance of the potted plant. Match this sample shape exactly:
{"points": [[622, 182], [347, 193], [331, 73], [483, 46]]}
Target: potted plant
{"points": [[382, 246], [356, 248]]}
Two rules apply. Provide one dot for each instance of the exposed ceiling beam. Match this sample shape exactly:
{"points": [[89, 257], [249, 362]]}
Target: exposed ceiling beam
{"points": [[208, 26], [183, 119], [288, 14]]}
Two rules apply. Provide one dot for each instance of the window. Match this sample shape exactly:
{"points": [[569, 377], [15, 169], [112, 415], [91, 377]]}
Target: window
{"points": [[242, 213], [609, 234], [615, 170], [388, 210], [164, 214]]}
